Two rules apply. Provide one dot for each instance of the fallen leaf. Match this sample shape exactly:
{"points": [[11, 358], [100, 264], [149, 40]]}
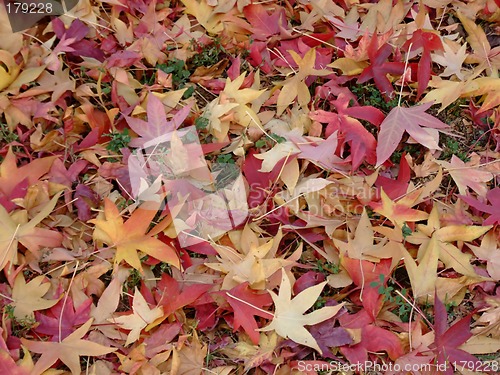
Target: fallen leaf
{"points": [[467, 175], [25, 232], [68, 350], [413, 120], [28, 297], [131, 236], [295, 86], [142, 316], [289, 319]]}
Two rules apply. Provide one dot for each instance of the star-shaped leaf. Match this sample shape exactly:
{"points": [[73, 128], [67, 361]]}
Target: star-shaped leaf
{"points": [[451, 256], [130, 236], [28, 297], [399, 212], [416, 122], [141, 317], [256, 266], [16, 229], [68, 350], [157, 124], [289, 319], [295, 86]]}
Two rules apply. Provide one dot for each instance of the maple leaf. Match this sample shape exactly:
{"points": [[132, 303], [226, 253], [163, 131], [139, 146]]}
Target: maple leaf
{"points": [[157, 124], [289, 319], [256, 355], [366, 323], [131, 236], [493, 196], [379, 68], [11, 177], [17, 229], [295, 86], [446, 92], [256, 266], [322, 153], [263, 24], [399, 187], [413, 120], [467, 175], [233, 91], [489, 252], [427, 41], [142, 316], [447, 340], [64, 317], [349, 29], [451, 60], [488, 58], [423, 277], [28, 297], [246, 303], [399, 212], [108, 303], [9, 69], [68, 350], [361, 245], [189, 359], [436, 244], [172, 298], [362, 142]]}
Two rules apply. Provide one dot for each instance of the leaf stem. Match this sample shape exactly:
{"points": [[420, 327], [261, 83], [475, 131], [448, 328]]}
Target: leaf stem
{"points": [[404, 74], [249, 304]]}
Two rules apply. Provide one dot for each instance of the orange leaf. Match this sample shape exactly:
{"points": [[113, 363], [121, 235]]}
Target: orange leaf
{"points": [[401, 211], [11, 175], [131, 236]]}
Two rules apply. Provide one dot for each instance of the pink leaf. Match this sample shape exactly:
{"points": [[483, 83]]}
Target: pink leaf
{"points": [[413, 120]]}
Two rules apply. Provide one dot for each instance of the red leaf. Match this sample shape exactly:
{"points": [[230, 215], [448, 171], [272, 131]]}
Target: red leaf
{"points": [[66, 319], [373, 339], [362, 142], [429, 42], [11, 176], [493, 197], [246, 303], [379, 67], [172, 298], [363, 272], [395, 189], [157, 124], [447, 340]]}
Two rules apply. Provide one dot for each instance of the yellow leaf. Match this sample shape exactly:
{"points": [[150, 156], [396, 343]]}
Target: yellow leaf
{"points": [[131, 236], [423, 277], [451, 256], [296, 86], [349, 67], [256, 267], [33, 238], [9, 70], [289, 319], [141, 317], [205, 15], [400, 212], [28, 298]]}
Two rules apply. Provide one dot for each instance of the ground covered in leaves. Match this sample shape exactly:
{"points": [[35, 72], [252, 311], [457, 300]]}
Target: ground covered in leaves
{"points": [[233, 186]]}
